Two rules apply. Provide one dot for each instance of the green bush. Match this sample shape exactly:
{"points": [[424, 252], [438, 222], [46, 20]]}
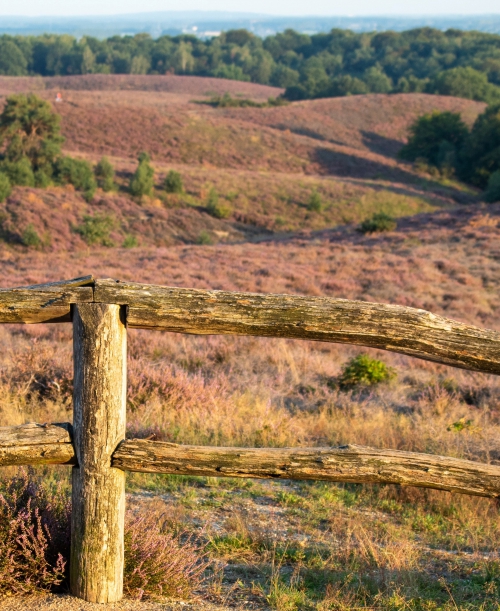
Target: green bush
{"points": [[5, 188], [379, 222], [173, 182], [19, 172], [78, 173], [96, 229], [315, 203], [130, 241], [30, 237], [215, 208], [493, 191], [364, 371], [204, 238], [105, 174], [42, 179], [142, 182]]}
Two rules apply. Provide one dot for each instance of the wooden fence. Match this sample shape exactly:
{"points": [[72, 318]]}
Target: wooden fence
{"points": [[95, 446]]}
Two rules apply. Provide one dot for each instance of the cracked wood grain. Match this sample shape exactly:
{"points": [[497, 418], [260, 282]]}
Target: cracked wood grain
{"points": [[36, 444], [44, 302], [401, 329], [98, 491], [350, 463]]}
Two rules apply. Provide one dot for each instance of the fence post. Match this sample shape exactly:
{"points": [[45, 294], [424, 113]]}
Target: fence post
{"points": [[99, 401]]}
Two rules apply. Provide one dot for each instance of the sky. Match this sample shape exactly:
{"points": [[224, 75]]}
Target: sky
{"points": [[270, 7]]}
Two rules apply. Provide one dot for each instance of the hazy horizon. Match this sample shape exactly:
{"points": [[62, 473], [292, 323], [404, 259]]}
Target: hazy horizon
{"points": [[258, 8]]}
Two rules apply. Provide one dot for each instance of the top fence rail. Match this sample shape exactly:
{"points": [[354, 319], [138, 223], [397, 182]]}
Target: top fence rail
{"points": [[409, 331]]}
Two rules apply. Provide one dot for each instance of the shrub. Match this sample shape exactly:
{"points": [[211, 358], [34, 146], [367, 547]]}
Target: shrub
{"points": [[78, 173], [96, 229], [142, 182], [315, 204], [157, 563], [105, 174], [42, 179], [379, 222], [34, 535], [173, 182], [493, 191], [204, 238], [35, 545], [5, 188], [130, 241], [364, 371], [215, 208], [30, 237], [19, 172]]}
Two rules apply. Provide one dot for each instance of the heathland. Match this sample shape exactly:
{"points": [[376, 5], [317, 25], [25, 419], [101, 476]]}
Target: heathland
{"points": [[293, 185]]}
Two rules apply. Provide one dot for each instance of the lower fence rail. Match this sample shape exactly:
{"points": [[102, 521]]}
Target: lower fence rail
{"points": [[42, 444]]}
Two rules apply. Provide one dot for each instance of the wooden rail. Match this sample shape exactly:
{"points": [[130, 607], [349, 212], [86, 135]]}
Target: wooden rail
{"points": [[95, 446], [52, 444]]}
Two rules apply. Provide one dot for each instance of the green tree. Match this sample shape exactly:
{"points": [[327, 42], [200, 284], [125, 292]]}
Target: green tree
{"points": [[142, 181], [173, 182], [480, 156], [105, 174], [465, 82], [437, 138], [30, 129], [12, 60]]}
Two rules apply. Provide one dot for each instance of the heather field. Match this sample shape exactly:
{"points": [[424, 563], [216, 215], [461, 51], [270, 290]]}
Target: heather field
{"points": [[273, 545]]}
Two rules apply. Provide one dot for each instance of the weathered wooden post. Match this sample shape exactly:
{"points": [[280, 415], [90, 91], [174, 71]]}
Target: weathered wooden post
{"points": [[99, 401]]}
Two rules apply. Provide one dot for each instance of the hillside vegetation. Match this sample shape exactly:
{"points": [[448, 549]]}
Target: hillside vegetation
{"points": [[265, 165]]}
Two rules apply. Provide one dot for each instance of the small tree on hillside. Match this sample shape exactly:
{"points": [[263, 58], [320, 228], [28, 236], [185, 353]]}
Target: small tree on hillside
{"points": [[437, 138], [173, 182], [142, 182], [30, 129], [105, 174]]}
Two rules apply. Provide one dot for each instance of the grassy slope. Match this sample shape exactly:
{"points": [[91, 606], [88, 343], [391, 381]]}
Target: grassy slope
{"points": [[264, 163]]}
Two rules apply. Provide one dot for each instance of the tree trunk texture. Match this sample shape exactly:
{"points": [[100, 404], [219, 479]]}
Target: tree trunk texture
{"points": [[389, 327], [97, 520]]}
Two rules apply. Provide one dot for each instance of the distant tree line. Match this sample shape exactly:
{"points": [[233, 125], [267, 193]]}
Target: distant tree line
{"points": [[338, 63]]}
